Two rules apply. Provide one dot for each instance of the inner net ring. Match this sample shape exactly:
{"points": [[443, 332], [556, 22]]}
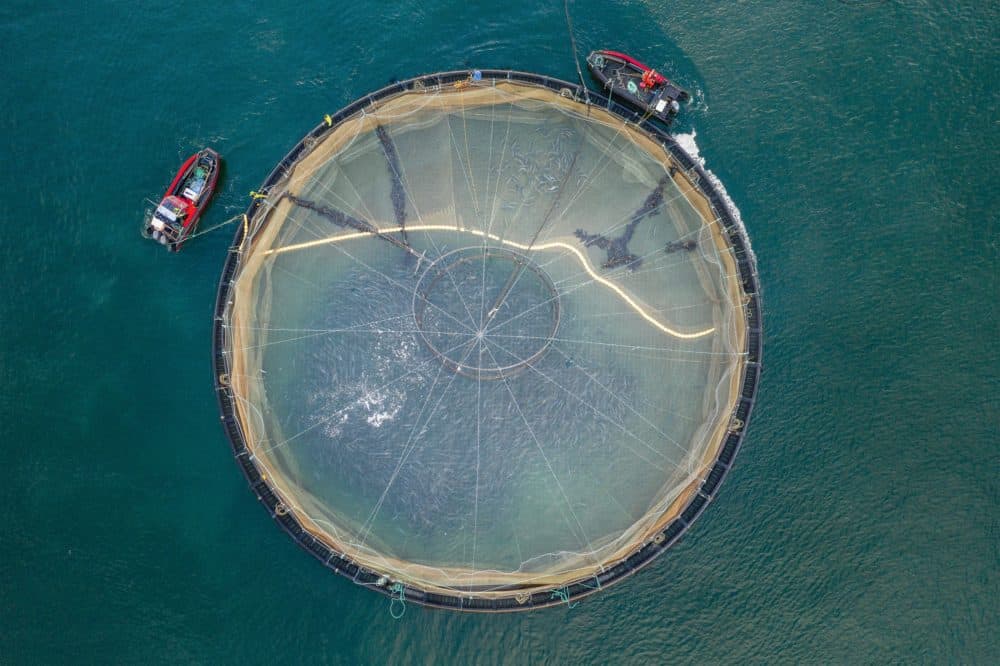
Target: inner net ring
{"points": [[458, 272]]}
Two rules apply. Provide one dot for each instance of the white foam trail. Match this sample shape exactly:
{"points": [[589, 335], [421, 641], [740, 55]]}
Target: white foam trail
{"points": [[700, 103], [690, 146]]}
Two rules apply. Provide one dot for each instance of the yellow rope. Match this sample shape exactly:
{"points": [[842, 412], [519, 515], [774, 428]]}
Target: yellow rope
{"points": [[582, 258]]}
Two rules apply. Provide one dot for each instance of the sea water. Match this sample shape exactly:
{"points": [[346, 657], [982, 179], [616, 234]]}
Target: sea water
{"points": [[859, 143]]}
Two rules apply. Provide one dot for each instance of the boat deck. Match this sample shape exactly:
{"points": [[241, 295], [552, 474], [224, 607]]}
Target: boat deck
{"points": [[620, 74]]}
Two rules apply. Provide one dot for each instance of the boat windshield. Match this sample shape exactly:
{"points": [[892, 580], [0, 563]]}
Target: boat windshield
{"points": [[171, 208]]}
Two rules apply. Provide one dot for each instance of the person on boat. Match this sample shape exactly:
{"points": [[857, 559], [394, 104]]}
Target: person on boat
{"points": [[648, 80]]}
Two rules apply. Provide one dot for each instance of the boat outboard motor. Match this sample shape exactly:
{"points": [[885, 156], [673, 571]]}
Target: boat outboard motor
{"points": [[156, 229], [163, 232]]}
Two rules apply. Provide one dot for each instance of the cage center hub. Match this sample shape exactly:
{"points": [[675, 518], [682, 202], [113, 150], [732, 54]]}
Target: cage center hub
{"points": [[486, 312]]}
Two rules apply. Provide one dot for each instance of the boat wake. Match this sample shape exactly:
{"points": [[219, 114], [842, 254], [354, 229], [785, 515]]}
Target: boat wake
{"points": [[690, 146]]}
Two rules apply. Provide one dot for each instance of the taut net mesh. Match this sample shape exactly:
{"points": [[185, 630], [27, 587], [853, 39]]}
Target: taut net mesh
{"points": [[483, 339]]}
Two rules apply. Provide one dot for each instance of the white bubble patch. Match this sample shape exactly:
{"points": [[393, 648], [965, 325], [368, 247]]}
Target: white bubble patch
{"points": [[690, 146]]}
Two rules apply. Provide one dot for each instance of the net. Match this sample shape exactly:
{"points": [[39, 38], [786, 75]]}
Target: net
{"points": [[482, 341]]}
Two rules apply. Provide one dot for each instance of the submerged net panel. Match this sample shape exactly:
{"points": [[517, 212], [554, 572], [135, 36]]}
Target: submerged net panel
{"points": [[486, 346]]}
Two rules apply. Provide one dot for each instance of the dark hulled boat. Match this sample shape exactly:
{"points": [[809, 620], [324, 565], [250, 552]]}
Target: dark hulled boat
{"points": [[175, 218], [637, 85]]}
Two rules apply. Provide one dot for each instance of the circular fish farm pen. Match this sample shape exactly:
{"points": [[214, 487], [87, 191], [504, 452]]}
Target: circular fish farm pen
{"points": [[487, 343]]}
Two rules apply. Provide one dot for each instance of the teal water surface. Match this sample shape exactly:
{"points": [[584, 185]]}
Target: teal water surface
{"points": [[860, 523]]}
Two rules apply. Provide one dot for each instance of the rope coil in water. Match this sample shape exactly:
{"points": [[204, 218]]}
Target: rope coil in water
{"points": [[397, 606]]}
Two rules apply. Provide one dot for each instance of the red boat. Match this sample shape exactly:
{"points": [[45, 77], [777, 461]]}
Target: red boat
{"points": [[636, 84], [176, 217]]}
